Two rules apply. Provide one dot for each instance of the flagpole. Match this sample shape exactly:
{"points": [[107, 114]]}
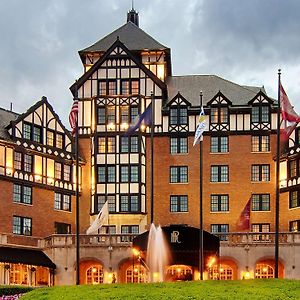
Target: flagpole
{"points": [[277, 181], [152, 157], [201, 198], [77, 197]]}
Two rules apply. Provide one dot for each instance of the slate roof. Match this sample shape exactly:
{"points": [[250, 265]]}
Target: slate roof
{"points": [[190, 86], [129, 34], [5, 117]]}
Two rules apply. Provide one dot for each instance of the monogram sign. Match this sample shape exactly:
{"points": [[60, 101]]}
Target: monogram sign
{"points": [[175, 237]]}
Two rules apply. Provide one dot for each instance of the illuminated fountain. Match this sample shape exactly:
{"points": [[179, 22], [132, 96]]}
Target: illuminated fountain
{"points": [[157, 254]]}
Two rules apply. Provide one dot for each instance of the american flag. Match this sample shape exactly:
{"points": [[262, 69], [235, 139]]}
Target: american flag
{"points": [[73, 116]]}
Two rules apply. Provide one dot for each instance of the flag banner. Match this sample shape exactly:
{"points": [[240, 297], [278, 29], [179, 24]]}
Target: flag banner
{"points": [[289, 116], [244, 221], [101, 219], [201, 126], [73, 116], [145, 118], [287, 110]]}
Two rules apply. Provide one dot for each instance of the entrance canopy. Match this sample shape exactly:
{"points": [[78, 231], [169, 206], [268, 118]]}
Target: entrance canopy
{"points": [[183, 242], [25, 256]]}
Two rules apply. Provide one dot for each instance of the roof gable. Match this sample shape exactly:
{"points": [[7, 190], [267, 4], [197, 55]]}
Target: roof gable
{"points": [[116, 49], [44, 117]]}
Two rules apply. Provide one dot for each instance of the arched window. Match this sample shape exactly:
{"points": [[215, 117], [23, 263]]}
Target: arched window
{"points": [[94, 275], [136, 274], [222, 272], [264, 271], [179, 272]]}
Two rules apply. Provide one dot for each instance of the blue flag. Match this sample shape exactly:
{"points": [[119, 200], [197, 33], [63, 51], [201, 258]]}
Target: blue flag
{"points": [[145, 117]]}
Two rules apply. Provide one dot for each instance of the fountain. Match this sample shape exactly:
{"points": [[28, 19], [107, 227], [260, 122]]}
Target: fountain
{"points": [[157, 254]]}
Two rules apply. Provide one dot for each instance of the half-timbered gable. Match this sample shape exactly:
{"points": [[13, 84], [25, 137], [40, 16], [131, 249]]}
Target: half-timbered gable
{"points": [[261, 112], [42, 151]]}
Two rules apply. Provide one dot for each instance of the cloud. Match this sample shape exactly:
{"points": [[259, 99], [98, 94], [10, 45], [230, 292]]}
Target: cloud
{"points": [[243, 41]]}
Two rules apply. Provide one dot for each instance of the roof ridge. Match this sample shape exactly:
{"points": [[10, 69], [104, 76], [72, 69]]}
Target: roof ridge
{"points": [[9, 111]]}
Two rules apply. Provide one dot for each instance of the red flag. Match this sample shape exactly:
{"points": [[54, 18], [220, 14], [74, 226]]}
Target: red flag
{"points": [[244, 222], [289, 116], [287, 110], [73, 116]]}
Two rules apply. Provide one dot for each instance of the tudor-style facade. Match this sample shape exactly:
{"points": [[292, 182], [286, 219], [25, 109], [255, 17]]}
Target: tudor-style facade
{"points": [[124, 73]]}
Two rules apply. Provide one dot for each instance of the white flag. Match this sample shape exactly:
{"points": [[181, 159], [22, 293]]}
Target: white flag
{"points": [[101, 219], [201, 126]]}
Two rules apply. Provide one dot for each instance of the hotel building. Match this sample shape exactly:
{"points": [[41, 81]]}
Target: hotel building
{"points": [[123, 73]]}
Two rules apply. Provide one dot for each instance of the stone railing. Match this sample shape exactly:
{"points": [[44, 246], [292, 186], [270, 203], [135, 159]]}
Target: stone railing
{"points": [[105, 240], [251, 238]]}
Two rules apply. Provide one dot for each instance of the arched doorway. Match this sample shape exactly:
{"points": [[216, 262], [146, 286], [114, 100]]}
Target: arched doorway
{"points": [[179, 273], [264, 271], [222, 272], [94, 275], [136, 274]]}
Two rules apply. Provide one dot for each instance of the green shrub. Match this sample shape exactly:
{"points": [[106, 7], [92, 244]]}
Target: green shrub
{"points": [[7, 290]]}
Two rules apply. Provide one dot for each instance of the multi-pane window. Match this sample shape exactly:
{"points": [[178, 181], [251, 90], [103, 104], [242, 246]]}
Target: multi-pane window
{"points": [[32, 132], [261, 202], [62, 172], [220, 228], [111, 114], [129, 229], [107, 144], [294, 199], [23, 162], [219, 115], [62, 201], [260, 173], [219, 173], [179, 203], [129, 86], [219, 203], [178, 145], [260, 114], [178, 174], [129, 203], [22, 225], [106, 174], [107, 87], [261, 227], [54, 139], [62, 228], [106, 115], [178, 116], [295, 226], [50, 138], [260, 143], [101, 199], [293, 168], [22, 194], [124, 111], [219, 144], [129, 173], [129, 144]]}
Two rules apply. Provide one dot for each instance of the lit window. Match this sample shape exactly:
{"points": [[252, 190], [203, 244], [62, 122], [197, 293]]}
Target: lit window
{"points": [[260, 143], [295, 226], [294, 199], [263, 228], [260, 173], [219, 115]]}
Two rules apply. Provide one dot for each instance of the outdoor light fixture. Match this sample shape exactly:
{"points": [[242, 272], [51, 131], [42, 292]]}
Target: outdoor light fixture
{"points": [[124, 126], [110, 126], [135, 252]]}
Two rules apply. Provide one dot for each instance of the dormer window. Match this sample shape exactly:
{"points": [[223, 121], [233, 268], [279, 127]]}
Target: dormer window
{"points": [[178, 116], [219, 115], [260, 114]]}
